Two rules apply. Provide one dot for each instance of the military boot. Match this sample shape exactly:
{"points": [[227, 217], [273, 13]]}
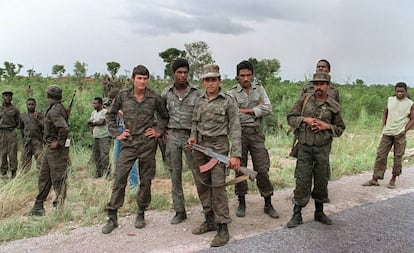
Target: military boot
{"points": [[179, 217], [222, 236], [208, 225], [112, 222], [320, 215], [37, 210], [296, 218], [241, 209], [268, 208], [140, 221]]}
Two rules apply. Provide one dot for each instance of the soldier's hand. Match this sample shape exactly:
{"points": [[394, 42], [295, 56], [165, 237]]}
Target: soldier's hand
{"points": [[234, 163], [53, 145], [152, 133], [124, 135]]}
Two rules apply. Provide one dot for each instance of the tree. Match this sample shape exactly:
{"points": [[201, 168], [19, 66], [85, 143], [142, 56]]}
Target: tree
{"points": [[79, 70], [31, 72], [169, 56], [113, 68], [197, 55], [265, 69], [58, 70], [10, 69]]}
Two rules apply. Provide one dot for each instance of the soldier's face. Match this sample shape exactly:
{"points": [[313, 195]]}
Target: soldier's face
{"points": [[212, 84], [7, 98], [322, 67], [321, 88], [30, 105], [245, 77], [140, 81], [181, 75]]}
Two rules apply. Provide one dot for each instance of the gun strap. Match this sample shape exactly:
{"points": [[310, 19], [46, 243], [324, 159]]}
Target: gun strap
{"points": [[231, 182], [301, 113]]}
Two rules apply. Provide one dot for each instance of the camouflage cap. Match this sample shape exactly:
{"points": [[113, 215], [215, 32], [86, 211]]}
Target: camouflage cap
{"points": [[54, 91], [321, 77], [210, 70], [7, 92]]}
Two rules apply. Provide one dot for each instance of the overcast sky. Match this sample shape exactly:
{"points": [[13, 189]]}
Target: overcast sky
{"points": [[372, 40]]}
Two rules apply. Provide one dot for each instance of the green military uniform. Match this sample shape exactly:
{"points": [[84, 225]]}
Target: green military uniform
{"points": [[32, 132], [213, 121], [314, 147], [253, 139], [9, 121], [138, 116], [180, 111], [53, 171], [101, 144]]}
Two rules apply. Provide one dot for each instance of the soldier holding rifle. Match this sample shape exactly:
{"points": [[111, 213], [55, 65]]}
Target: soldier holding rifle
{"points": [[215, 117]]}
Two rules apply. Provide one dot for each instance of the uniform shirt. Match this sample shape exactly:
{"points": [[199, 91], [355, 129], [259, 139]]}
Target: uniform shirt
{"points": [[398, 115], [218, 117], [56, 124], [180, 110], [99, 131], [9, 116], [332, 91], [256, 95], [32, 127], [328, 111], [138, 116]]}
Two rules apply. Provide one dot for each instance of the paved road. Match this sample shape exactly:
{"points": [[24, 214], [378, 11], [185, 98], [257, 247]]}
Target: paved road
{"points": [[385, 226]]}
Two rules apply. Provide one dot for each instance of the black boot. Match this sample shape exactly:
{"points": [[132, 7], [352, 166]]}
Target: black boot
{"points": [[140, 221], [296, 218], [208, 225], [179, 217], [222, 236], [37, 210], [241, 209], [112, 222], [320, 215], [268, 208]]}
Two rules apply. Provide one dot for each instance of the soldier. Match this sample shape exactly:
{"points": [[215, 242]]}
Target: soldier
{"points": [[253, 104], [54, 164], [397, 119], [138, 140], [180, 99], [215, 117], [323, 65], [31, 129], [102, 142], [320, 121], [9, 121]]}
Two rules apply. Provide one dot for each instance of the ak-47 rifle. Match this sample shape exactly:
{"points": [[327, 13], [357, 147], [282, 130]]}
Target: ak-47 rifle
{"points": [[69, 110], [215, 158]]}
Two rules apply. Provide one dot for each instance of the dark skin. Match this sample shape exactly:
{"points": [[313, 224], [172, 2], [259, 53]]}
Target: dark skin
{"points": [[400, 93], [98, 107], [317, 125]]}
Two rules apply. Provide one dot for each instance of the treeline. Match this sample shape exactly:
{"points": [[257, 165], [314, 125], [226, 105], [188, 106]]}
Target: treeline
{"points": [[362, 105]]}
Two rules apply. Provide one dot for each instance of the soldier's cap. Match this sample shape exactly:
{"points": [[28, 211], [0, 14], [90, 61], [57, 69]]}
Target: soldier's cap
{"points": [[210, 70], [54, 91], [321, 77], [7, 92]]}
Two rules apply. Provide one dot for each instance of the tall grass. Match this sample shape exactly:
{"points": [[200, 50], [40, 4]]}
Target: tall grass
{"points": [[352, 153]]}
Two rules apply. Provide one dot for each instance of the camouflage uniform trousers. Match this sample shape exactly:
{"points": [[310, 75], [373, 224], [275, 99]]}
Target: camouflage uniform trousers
{"points": [[32, 147], [101, 147], [141, 148], [175, 148], [312, 164], [53, 172], [399, 142], [253, 141], [213, 197], [8, 149]]}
